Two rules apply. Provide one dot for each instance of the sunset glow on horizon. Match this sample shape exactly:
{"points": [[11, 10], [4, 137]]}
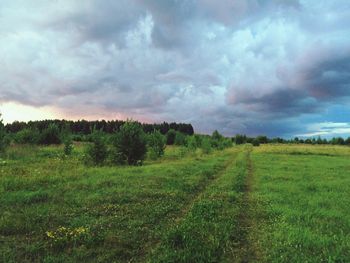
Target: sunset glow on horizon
{"points": [[12, 111]]}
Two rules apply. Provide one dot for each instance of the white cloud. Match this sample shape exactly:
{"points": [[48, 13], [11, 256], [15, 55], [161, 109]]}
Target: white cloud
{"points": [[327, 129]]}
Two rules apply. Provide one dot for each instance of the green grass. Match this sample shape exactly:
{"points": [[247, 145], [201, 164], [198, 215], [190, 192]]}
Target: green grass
{"points": [[273, 203], [207, 228], [123, 209], [304, 192]]}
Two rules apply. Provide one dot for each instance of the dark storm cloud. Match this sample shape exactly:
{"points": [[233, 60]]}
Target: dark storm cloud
{"points": [[238, 66], [329, 79], [319, 82], [280, 102]]}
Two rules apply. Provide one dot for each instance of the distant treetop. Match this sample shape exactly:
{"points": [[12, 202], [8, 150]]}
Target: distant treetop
{"points": [[86, 127]]}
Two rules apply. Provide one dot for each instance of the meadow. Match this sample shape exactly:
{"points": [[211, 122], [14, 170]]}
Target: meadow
{"points": [[272, 203]]}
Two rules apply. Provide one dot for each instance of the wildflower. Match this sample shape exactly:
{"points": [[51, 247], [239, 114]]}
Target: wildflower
{"points": [[50, 234]]}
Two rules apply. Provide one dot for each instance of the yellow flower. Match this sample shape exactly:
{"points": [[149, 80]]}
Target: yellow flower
{"points": [[50, 234]]}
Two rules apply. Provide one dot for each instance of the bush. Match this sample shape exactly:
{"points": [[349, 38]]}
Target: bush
{"points": [[217, 140], [220, 142], [68, 145], [347, 141], [170, 137], [192, 143], [27, 136], [226, 143], [78, 137], [129, 144], [156, 144], [206, 145], [262, 139], [338, 141], [4, 140], [180, 139], [51, 135], [256, 142], [96, 153], [198, 139], [240, 139]]}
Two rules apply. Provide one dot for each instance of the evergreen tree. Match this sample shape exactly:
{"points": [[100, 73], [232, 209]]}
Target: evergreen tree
{"points": [[96, 152], [130, 144]]}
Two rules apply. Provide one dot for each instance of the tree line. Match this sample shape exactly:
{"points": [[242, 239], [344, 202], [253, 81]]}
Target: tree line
{"points": [[128, 142], [241, 139], [84, 127]]}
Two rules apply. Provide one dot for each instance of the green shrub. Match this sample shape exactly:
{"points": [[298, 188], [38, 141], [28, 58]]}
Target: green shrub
{"points": [[206, 145], [240, 139], [4, 139], [51, 135], [227, 142], [262, 139], [192, 143], [256, 142], [156, 144], [78, 137], [220, 142], [96, 153], [180, 139], [170, 137], [216, 140], [347, 141], [198, 139], [27, 136], [338, 141], [68, 145], [129, 144]]}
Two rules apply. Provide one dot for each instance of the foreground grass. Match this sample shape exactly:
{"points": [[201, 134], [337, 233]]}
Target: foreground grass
{"points": [[207, 231], [56, 210], [304, 192], [273, 203]]}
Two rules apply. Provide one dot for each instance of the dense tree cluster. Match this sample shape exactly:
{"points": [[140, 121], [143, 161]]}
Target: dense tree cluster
{"points": [[84, 127]]}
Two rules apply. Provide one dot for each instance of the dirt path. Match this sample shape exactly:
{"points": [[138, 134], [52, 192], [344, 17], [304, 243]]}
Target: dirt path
{"points": [[203, 188], [181, 214], [246, 249]]}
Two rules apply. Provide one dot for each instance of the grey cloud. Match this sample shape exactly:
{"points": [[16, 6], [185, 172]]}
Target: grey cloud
{"points": [[330, 79], [315, 81], [282, 102], [103, 22], [238, 66]]}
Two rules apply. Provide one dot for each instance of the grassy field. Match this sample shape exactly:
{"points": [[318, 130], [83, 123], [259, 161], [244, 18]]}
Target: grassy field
{"points": [[304, 192], [273, 203]]}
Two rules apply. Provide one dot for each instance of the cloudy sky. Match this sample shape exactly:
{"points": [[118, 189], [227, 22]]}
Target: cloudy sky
{"points": [[274, 67]]}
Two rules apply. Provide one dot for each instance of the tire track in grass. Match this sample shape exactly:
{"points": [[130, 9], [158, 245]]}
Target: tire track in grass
{"points": [[201, 231], [245, 246], [201, 189]]}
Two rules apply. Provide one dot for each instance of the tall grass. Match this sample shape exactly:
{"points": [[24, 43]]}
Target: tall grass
{"points": [[56, 209], [305, 192], [282, 203]]}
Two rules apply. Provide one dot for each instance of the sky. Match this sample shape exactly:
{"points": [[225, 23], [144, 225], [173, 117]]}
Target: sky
{"points": [[272, 67]]}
